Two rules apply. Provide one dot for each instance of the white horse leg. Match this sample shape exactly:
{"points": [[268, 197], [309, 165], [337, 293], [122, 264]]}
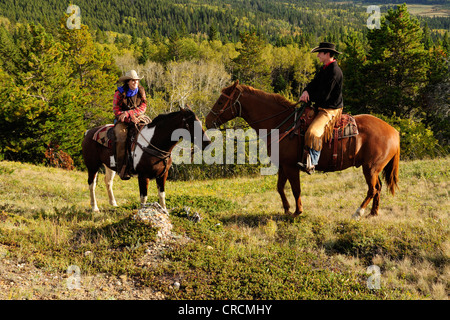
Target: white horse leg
{"points": [[358, 214], [143, 200], [92, 194], [162, 199], [160, 182], [109, 176]]}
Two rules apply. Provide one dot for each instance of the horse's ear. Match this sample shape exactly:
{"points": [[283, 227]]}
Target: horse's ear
{"points": [[181, 108], [236, 83]]}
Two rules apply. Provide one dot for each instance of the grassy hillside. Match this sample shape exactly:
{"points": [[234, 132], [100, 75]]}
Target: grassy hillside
{"points": [[243, 248]]}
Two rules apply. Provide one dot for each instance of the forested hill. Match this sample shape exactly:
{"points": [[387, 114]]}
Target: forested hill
{"points": [[293, 18], [145, 17], [401, 1]]}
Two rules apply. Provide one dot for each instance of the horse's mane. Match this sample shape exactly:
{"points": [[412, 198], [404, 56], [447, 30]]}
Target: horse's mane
{"points": [[163, 117], [275, 97]]}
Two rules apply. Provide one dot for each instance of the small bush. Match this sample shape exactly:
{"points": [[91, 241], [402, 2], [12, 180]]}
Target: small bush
{"points": [[416, 140]]}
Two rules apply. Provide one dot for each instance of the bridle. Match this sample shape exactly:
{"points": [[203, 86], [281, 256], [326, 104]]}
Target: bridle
{"points": [[229, 104]]}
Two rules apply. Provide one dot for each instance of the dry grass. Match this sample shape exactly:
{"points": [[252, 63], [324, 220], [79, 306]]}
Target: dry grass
{"points": [[428, 10]]}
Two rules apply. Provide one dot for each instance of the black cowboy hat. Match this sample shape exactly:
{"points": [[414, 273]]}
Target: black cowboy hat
{"points": [[326, 46]]}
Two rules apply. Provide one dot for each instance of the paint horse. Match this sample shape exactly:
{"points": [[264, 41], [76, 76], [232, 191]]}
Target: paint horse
{"points": [[376, 148], [151, 156]]}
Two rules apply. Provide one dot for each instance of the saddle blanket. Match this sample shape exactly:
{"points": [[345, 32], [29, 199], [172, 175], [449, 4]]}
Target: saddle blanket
{"points": [[104, 135], [346, 126]]}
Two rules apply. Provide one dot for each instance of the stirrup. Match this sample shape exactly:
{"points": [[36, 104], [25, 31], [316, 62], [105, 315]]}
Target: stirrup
{"points": [[307, 167], [303, 167]]}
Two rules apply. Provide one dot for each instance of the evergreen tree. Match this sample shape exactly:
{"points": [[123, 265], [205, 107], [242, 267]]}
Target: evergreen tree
{"points": [[427, 41], [156, 37], [174, 47], [436, 95], [250, 66], [134, 39], [95, 73], [37, 102], [146, 51], [397, 64], [353, 62], [213, 33], [54, 88], [9, 53], [446, 43]]}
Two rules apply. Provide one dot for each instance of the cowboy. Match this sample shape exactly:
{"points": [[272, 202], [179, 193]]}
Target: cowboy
{"points": [[325, 90], [129, 104]]}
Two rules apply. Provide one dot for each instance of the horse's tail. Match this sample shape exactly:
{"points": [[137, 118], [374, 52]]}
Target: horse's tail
{"points": [[390, 172]]}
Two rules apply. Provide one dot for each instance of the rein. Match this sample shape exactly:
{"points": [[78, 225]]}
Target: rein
{"points": [[151, 149]]}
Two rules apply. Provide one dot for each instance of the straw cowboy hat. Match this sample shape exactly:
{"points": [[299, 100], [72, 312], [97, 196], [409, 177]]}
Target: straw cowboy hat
{"points": [[326, 46], [132, 74]]}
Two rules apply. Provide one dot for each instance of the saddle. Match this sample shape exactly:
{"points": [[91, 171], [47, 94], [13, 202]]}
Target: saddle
{"points": [[345, 127]]}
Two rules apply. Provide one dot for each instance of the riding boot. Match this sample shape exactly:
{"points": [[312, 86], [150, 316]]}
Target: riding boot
{"points": [[307, 166], [122, 164], [124, 174], [121, 154]]}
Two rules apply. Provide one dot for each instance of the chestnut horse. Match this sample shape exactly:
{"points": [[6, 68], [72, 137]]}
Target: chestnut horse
{"points": [[376, 148], [151, 157]]}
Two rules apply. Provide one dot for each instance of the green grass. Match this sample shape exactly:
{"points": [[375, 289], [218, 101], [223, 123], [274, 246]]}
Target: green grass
{"points": [[244, 247]]}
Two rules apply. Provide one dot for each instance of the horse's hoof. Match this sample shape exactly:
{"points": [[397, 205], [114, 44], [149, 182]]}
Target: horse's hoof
{"points": [[297, 213], [358, 214]]}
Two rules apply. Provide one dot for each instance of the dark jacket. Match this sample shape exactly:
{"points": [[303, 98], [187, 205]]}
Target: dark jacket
{"points": [[326, 87]]}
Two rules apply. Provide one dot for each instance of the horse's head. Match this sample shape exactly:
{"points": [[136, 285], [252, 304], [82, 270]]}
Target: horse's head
{"points": [[191, 123], [227, 107]]}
